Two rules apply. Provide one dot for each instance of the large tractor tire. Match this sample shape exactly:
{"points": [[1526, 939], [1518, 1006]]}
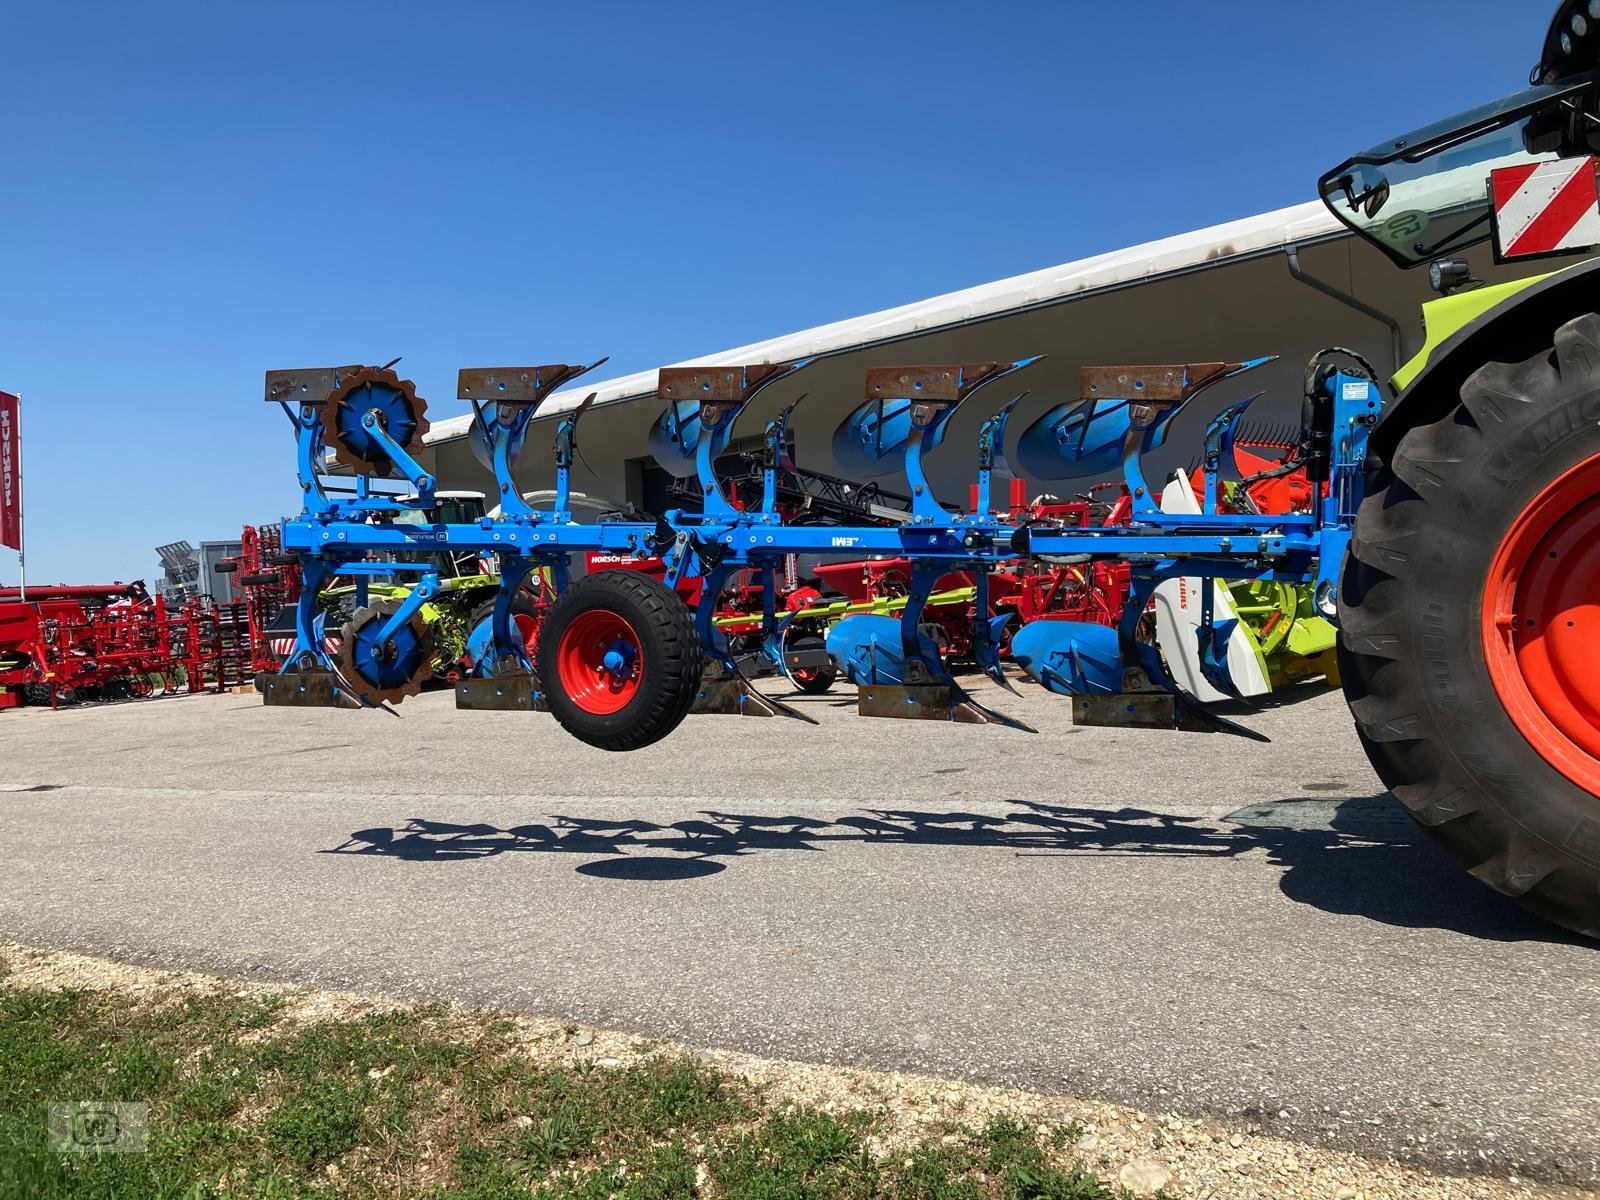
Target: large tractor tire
{"points": [[619, 660], [1470, 641]]}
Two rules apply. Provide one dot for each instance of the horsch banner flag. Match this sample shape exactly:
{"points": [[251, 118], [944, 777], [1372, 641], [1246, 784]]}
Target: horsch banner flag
{"points": [[10, 474]]}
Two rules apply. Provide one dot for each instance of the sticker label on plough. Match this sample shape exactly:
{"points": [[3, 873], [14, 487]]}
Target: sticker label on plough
{"points": [[1545, 208]]}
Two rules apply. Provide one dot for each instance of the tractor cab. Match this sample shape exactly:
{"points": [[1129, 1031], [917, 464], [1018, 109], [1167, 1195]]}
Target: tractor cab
{"points": [[449, 508], [1450, 185]]}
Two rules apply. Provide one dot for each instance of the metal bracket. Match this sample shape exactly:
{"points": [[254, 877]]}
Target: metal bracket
{"points": [[924, 697], [303, 689], [726, 693], [1136, 710], [509, 693], [517, 385]]}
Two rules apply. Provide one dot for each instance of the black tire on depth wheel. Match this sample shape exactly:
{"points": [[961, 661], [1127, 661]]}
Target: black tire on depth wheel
{"points": [[261, 579], [815, 680], [1437, 616], [641, 626]]}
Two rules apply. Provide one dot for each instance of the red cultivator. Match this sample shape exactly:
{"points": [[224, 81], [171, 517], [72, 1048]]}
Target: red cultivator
{"points": [[269, 581], [105, 642]]}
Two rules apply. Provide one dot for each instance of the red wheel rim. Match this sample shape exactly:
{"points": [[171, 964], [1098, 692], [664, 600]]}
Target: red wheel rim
{"points": [[600, 661], [1541, 624]]}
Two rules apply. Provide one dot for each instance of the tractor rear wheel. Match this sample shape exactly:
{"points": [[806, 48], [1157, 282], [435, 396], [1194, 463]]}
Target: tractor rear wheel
{"points": [[619, 660], [1470, 615]]}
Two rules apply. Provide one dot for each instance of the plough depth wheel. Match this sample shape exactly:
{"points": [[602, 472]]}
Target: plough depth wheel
{"points": [[385, 672], [396, 407], [619, 660], [1470, 629]]}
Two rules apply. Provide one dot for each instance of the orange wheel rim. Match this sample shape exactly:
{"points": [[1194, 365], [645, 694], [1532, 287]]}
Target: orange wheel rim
{"points": [[1541, 624]]}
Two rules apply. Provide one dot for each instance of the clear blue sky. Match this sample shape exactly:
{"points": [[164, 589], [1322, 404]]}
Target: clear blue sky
{"points": [[193, 193]]}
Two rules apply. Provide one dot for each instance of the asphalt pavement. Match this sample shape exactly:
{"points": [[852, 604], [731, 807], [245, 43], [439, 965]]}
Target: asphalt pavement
{"points": [[1185, 922]]}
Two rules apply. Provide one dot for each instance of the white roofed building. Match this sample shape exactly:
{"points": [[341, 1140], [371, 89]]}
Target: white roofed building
{"points": [[1287, 283]]}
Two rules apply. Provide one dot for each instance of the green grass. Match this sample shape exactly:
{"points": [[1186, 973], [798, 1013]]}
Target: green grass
{"points": [[422, 1102]]}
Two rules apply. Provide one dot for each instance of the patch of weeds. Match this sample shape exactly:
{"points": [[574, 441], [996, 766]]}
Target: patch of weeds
{"points": [[659, 1173], [1062, 1136], [552, 1118], [935, 1173], [399, 1040], [1014, 1157], [317, 1122], [261, 1011], [796, 1155], [214, 1090]]}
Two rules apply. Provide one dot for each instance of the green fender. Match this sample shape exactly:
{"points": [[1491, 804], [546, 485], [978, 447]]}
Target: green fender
{"points": [[1504, 323]]}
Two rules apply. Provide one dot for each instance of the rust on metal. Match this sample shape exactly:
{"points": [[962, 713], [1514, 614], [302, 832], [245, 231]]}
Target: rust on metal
{"points": [[917, 702], [514, 385], [715, 385], [301, 689], [305, 385], [1136, 710], [731, 698], [1152, 384], [365, 689], [723, 693], [939, 384]]}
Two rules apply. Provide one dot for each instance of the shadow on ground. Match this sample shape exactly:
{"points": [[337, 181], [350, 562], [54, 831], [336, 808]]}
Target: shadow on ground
{"points": [[1359, 856]]}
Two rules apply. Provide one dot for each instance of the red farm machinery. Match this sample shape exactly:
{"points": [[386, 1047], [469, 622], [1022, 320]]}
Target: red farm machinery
{"points": [[69, 643]]}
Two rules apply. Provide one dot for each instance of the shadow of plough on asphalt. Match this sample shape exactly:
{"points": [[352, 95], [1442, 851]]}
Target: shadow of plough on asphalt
{"points": [[1358, 856]]}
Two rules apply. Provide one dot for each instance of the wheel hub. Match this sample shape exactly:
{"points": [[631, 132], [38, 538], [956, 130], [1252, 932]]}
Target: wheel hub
{"points": [[381, 671], [600, 661]]}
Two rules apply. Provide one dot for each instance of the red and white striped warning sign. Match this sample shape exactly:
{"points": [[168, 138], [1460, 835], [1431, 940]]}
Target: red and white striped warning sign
{"points": [[1545, 208], [282, 645]]}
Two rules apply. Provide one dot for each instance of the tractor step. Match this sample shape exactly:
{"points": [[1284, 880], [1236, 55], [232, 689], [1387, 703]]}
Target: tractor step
{"points": [[511, 693]]}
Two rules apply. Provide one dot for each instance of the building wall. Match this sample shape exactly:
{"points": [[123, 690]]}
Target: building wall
{"points": [[212, 581], [1234, 312]]}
